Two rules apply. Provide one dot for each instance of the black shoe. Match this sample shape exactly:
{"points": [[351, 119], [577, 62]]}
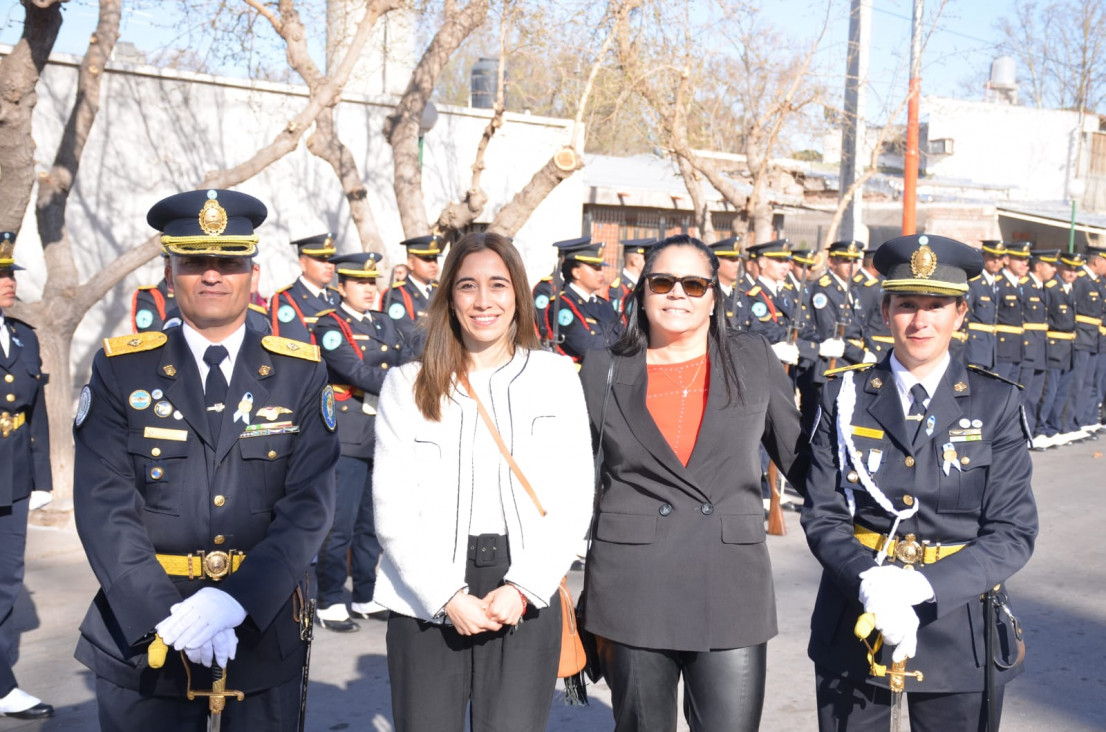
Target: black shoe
{"points": [[339, 626], [42, 710]]}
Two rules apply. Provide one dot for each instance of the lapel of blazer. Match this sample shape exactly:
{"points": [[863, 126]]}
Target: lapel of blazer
{"points": [[183, 387], [884, 405], [245, 380], [944, 406], [13, 347], [714, 422], [628, 392]]}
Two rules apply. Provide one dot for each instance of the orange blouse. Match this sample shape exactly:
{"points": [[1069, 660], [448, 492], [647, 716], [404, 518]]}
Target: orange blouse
{"points": [[676, 395]]}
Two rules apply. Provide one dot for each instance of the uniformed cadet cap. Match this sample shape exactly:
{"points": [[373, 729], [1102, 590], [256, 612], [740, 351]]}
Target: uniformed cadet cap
{"points": [[728, 248], [1096, 251], [921, 264], [209, 223], [423, 246], [1075, 259], [846, 249], [639, 246], [1052, 256], [805, 257], [994, 247], [582, 250], [1019, 249], [319, 245], [360, 264], [7, 251], [778, 249]]}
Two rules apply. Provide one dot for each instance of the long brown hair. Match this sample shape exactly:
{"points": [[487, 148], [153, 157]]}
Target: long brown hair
{"points": [[444, 355]]}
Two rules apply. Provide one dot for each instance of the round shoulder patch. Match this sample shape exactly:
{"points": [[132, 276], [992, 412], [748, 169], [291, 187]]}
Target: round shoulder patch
{"points": [[83, 405], [396, 311], [819, 300], [328, 409], [759, 309], [541, 302], [332, 340], [143, 318], [286, 314], [565, 318]]}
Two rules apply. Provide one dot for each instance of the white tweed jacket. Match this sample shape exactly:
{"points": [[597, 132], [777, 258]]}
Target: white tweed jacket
{"points": [[423, 482]]}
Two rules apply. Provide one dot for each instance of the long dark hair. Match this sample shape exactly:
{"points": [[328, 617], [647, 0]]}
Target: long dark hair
{"points": [[444, 355], [636, 337]]}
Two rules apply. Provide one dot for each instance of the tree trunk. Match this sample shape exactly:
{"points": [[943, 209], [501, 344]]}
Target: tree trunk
{"points": [[512, 216], [19, 74]]}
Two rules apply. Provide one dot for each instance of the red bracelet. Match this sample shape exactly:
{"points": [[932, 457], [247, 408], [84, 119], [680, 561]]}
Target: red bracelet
{"points": [[525, 602]]}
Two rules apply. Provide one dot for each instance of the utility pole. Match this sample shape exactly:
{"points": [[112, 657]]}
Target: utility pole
{"points": [[910, 173], [854, 130]]}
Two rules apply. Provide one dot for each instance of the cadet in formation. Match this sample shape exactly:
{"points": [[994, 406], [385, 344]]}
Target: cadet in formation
{"points": [[294, 309], [729, 256], [579, 319], [203, 487], [25, 478], [408, 299], [359, 346], [633, 261], [919, 506]]}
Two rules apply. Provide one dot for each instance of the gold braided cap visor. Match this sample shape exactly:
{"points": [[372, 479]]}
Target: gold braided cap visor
{"points": [[210, 246]]}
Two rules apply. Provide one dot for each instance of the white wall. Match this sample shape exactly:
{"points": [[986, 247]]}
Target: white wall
{"points": [[159, 131]]}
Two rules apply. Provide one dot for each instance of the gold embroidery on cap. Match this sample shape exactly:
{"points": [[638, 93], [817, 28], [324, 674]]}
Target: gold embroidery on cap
{"points": [[923, 262], [213, 218]]}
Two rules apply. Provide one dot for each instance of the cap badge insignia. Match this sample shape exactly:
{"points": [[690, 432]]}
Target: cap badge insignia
{"points": [[264, 370], [923, 262], [213, 218], [960, 386]]}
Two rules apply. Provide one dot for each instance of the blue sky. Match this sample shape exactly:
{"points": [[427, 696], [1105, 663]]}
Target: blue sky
{"points": [[956, 62]]}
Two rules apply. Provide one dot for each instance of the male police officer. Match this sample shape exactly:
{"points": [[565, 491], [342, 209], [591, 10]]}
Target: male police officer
{"points": [[150, 306], [868, 290], [25, 479], [203, 487], [294, 309], [1042, 268], [729, 256], [1009, 319], [1061, 337], [584, 321], [358, 346], [979, 349], [773, 305], [407, 300], [633, 262]]}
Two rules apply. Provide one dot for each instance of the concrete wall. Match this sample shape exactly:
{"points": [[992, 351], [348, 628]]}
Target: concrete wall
{"points": [[159, 130]]}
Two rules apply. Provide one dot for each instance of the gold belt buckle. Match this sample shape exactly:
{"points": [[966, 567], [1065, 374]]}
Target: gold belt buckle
{"points": [[216, 565], [7, 424], [908, 550]]}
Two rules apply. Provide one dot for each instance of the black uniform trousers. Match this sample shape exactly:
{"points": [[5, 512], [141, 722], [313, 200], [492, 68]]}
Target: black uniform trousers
{"points": [[847, 707], [353, 533], [505, 678], [1082, 371], [13, 541], [1032, 379]]}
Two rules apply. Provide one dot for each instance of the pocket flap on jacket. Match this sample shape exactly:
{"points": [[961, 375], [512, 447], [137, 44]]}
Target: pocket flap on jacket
{"points": [[745, 528], [626, 528]]}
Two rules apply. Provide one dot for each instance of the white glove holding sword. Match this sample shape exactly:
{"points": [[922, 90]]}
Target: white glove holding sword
{"points": [[890, 594]]}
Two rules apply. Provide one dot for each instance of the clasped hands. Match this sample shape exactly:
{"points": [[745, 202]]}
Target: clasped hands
{"points": [[203, 626], [890, 593], [471, 615]]}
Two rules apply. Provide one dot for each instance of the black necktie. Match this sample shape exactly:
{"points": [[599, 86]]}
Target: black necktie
{"points": [[215, 389], [917, 407]]}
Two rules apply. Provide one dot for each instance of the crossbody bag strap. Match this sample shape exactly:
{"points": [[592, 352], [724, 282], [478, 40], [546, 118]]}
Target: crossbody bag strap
{"points": [[499, 441]]}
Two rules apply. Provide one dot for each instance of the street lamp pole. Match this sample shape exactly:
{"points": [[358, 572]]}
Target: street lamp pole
{"points": [[1075, 191]]}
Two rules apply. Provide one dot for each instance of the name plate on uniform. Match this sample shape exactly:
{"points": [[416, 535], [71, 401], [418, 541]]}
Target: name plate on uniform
{"points": [[868, 432], [163, 433], [966, 435]]}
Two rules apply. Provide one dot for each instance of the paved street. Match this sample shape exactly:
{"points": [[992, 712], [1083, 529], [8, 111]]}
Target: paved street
{"points": [[1060, 598]]}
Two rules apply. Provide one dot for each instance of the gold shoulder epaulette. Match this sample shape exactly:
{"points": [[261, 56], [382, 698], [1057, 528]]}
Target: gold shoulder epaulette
{"points": [[824, 280], [547, 278], [1023, 280], [973, 279], [136, 343], [147, 287], [283, 289], [754, 292], [254, 306], [617, 282], [993, 375], [398, 283], [842, 369], [1050, 283], [289, 347], [321, 313]]}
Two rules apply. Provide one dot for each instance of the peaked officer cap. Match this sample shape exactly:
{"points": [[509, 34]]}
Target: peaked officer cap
{"points": [[360, 264], [319, 245], [846, 249], [582, 250], [423, 246], [728, 248], [1018, 249], [994, 247], [1052, 256], [639, 246], [7, 251], [921, 264], [778, 249], [210, 223]]}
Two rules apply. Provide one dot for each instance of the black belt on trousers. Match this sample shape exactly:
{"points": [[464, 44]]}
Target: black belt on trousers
{"points": [[488, 550]]}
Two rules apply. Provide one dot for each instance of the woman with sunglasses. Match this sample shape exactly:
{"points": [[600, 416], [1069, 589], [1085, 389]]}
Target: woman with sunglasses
{"points": [[678, 581]]}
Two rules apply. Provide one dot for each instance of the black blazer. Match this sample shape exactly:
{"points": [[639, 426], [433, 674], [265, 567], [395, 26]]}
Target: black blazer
{"points": [[678, 559]]}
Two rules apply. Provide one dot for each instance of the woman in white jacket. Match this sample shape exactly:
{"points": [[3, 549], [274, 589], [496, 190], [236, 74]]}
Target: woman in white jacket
{"points": [[467, 555]]}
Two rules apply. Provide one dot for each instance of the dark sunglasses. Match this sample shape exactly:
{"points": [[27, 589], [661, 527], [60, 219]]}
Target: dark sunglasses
{"points": [[662, 284]]}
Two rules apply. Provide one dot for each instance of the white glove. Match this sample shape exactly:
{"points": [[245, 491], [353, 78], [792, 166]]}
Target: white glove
{"points": [[194, 622], [889, 583], [833, 348], [869, 357], [786, 352], [221, 649], [899, 624], [39, 499]]}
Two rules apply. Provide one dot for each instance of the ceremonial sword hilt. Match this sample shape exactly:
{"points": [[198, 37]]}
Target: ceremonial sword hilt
{"points": [[897, 674]]}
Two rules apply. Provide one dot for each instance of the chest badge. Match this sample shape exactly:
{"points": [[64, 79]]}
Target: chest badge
{"points": [[139, 399], [245, 406], [270, 414]]}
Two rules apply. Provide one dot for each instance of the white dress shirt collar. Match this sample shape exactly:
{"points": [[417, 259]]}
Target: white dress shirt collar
{"points": [[904, 380], [198, 345]]}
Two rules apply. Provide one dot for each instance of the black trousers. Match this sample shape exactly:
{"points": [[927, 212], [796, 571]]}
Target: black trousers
{"points": [[723, 690], [127, 710], [847, 707], [505, 679], [353, 533], [13, 542]]}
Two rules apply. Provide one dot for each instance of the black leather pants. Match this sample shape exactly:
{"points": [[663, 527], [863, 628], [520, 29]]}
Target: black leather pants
{"points": [[723, 690]]}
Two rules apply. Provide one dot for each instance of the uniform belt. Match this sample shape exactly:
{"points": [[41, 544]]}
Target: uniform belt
{"points": [[981, 326], [1015, 329], [883, 339], [1061, 335], [908, 550], [1036, 326], [210, 565], [858, 342], [1088, 320], [11, 422]]}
